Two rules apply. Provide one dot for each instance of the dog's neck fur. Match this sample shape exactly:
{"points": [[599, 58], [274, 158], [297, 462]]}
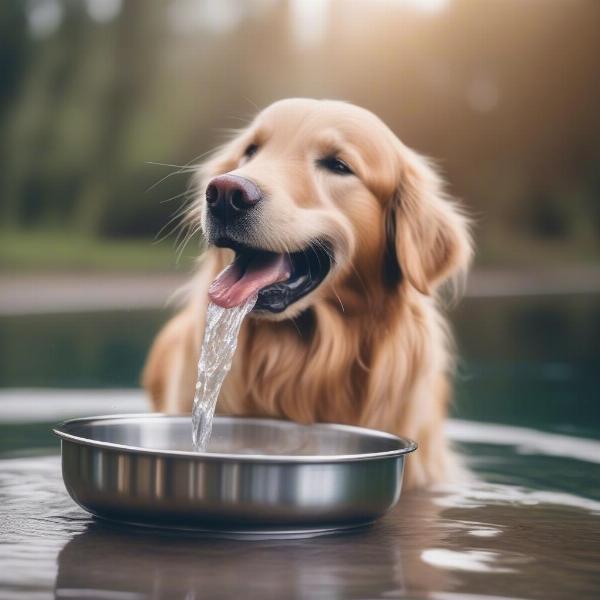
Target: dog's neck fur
{"points": [[350, 360], [320, 366], [292, 368]]}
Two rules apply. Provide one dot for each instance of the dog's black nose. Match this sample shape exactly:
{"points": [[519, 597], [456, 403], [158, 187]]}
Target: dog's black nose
{"points": [[230, 196]]}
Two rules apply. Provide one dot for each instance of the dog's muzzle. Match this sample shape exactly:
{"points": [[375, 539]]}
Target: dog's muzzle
{"points": [[279, 279], [230, 197]]}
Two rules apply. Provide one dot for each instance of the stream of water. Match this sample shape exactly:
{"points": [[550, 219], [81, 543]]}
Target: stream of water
{"points": [[218, 347]]}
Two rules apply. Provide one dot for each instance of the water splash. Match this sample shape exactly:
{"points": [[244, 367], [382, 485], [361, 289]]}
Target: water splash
{"points": [[218, 347]]}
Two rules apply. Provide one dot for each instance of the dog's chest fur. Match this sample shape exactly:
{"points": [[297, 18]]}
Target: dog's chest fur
{"points": [[315, 368]]}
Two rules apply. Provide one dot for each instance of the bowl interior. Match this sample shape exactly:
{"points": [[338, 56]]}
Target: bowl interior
{"points": [[236, 435]]}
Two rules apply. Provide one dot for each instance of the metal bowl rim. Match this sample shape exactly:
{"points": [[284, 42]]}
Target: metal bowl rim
{"points": [[408, 444]]}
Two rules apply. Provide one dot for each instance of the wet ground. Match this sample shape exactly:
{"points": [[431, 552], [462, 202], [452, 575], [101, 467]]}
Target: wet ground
{"points": [[527, 420]]}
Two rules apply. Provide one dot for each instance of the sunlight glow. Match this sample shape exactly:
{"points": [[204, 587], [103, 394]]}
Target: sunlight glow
{"points": [[103, 11], [430, 7], [44, 17], [309, 20], [217, 16]]}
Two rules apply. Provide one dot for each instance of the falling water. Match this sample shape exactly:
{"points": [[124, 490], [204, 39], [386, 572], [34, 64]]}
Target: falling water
{"points": [[218, 346]]}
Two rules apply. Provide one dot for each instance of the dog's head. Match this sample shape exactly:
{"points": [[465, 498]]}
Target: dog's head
{"points": [[320, 201]]}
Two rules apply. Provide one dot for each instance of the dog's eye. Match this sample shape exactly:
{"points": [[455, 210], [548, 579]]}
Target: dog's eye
{"points": [[335, 165], [251, 150]]}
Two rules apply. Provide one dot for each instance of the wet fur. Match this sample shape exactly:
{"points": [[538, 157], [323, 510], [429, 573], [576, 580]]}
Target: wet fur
{"points": [[370, 346]]}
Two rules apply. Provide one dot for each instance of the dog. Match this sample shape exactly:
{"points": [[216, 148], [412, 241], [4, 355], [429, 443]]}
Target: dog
{"points": [[347, 237]]}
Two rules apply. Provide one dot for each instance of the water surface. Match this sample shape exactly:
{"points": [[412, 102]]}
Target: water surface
{"points": [[526, 418]]}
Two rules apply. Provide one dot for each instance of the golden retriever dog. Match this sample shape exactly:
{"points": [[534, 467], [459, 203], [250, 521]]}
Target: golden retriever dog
{"points": [[347, 236]]}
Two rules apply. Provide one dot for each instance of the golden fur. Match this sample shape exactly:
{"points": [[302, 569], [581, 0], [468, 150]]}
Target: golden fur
{"points": [[370, 345]]}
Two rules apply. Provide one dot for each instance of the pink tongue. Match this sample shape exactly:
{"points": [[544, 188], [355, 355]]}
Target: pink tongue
{"points": [[231, 288]]}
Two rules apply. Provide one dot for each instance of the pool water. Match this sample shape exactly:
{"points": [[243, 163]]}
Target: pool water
{"points": [[526, 418]]}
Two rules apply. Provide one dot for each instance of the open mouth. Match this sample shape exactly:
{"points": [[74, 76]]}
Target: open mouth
{"points": [[278, 279]]}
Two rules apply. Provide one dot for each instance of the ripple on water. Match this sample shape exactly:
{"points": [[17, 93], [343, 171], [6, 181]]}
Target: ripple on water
{"points": [[443, 544]]}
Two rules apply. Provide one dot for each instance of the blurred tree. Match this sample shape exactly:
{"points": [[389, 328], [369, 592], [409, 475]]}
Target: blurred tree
{"points": [[137, 41], [13, 49], [505, 92], [14, 53]]}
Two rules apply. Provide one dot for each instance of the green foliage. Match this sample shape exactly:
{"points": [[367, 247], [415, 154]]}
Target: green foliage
{"points": [[86, 110], [54, 250]]}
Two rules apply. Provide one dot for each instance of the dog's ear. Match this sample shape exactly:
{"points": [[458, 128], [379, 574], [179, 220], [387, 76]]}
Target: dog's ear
{"points": [[428, 238]]}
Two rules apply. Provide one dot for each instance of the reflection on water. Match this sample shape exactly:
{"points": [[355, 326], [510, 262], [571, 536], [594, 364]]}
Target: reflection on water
{"points": [[528, 528], [524, 361], [480, 539], [103, 350], [530, 361]]}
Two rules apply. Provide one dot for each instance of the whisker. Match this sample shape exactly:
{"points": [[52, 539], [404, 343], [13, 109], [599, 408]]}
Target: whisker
{"points": [[161, 164], [317, 255], [244, 120], [251, 102], [338, 298], [187, 168], [162, 179], [185, 192], [331, 256], [182, 232], [186, 241], [297, 328], [353, 268], [178, 214]]}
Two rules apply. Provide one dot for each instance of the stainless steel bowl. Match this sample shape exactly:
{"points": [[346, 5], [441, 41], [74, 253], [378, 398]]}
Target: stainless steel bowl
{"points": [[258, 474]]}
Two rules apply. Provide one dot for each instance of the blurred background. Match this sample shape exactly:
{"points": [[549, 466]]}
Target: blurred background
{"points": [[104, 104], [101, 100]]}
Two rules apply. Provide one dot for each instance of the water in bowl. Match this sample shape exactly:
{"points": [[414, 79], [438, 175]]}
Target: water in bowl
{"points": [[218, 347]]}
